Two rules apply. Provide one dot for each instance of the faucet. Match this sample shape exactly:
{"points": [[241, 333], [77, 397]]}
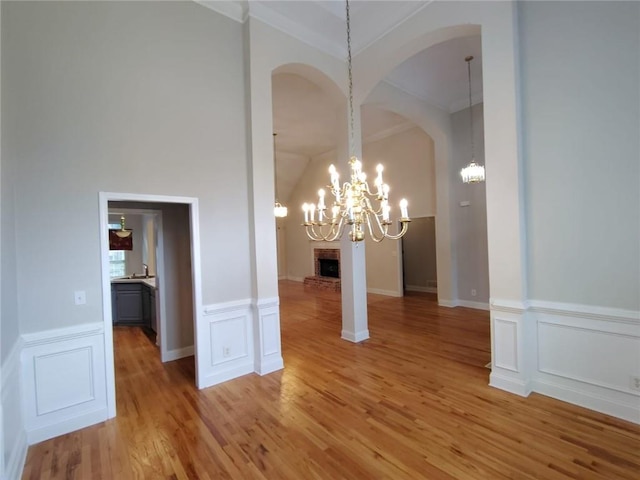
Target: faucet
{"points": [[146, 270]]}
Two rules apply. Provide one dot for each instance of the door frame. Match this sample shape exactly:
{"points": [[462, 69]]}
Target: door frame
{"points": [[194, 221]]}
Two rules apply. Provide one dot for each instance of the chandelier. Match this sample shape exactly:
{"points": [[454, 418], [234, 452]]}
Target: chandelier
{"points": [[279, 210], [472, 173], [353, 201]]}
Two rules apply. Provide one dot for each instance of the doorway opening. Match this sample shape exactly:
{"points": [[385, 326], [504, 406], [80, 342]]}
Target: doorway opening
{"points": [[419, 268], [167, 239]]}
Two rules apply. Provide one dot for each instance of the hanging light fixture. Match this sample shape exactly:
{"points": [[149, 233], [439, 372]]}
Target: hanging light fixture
{"points": [[353, 204], [123, 232], [472, 173], [279, 210]]}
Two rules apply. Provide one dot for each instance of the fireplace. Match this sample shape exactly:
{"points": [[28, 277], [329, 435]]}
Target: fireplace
{"points": [[326, 276], [329, 267]]}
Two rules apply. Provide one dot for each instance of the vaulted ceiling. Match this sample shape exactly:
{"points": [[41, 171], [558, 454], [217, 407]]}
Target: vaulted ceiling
{"points": [[304, 116]]}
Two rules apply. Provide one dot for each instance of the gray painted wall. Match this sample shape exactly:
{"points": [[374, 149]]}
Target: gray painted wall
{"points": [[470, 223], [131, 97], [581, 118], [419, 254]]}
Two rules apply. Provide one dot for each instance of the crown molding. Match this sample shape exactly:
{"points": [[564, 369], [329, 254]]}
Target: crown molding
{"points": [[276, 20], [235, 10], [360, 49]]}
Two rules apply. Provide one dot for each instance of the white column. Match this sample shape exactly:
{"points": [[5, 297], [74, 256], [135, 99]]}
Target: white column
{"points": [[352, 254], [512, 332], [266, 311]]}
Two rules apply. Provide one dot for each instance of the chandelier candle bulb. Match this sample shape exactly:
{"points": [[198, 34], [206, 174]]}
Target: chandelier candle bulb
{"points": [[312, 212], [403, 208], [335, 210], [321, 205], [305, 209]]}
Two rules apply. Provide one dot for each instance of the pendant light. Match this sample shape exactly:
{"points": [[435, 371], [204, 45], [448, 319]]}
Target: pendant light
{"points": [[472, 173], [123, 232]]}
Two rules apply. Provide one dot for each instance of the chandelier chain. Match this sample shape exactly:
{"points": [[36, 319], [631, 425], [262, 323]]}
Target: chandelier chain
{"points": [[468, 59], [351, 140]]}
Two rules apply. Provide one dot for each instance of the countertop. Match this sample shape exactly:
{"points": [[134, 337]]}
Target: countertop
{"points": [[151, 282]]}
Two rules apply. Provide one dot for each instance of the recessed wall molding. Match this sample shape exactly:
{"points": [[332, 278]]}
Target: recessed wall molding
{"points": [[63, 375], [509, 306], [226, 350], [586, 311], [268, 302], [224, 307], [601, 382], [60, 334]]}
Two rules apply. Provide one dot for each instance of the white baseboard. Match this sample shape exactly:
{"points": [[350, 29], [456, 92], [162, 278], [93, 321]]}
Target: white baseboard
{"points": [[608, 403], [66, 425], [295, 279], [419, 288], [355, 337], [509, 384], [224, 375], [388, 293], [269, 366], [447, 303], [476, 305], [178, 353]]}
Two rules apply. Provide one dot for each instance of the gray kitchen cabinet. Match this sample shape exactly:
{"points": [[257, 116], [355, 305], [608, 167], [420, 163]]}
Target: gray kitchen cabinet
{"points": [[133, 304], [128, 304], [152, 304]]}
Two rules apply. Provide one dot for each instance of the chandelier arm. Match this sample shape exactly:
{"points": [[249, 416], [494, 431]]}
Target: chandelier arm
{"points": [[405, 226], [382, 227], [376, 238]]}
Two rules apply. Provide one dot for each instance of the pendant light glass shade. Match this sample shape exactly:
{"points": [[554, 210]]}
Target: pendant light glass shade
{"points": [[472, 173]]}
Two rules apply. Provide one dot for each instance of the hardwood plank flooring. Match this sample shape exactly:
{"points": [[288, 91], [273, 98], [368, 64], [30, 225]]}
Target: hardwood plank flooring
{"points": [[411, 402]]}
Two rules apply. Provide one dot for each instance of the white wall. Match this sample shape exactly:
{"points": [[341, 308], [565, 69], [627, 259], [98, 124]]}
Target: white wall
{"points": [[580, 110], [13, 441], [129, 97], [409, 161], [470, 222], [581, 117]]}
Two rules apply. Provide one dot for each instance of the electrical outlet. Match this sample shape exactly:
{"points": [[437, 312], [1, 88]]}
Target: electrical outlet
{"points": [[634, 383], [473, 292], [80, 297], [225, 351]]}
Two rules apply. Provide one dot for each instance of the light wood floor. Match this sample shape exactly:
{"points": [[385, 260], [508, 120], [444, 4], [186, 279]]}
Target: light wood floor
{"points": [[412, 402]]}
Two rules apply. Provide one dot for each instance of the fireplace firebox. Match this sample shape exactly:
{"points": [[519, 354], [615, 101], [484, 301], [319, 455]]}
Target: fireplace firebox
{"points": [[329, 267]]}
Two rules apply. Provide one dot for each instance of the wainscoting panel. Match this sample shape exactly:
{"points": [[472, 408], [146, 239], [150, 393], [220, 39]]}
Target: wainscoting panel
{"points": [[225, 347], [268, 356], [511, 347], [14, 438], [506, 342], [63, 378], [589, 358]]}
